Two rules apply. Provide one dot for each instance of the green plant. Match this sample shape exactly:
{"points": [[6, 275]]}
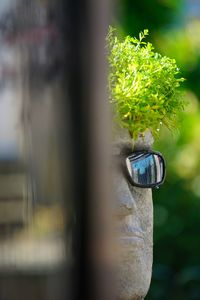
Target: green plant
{"points": [[143, 85]]}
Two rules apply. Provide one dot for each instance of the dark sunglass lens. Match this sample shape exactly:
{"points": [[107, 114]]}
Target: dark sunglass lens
{"points": [[146, 169]]}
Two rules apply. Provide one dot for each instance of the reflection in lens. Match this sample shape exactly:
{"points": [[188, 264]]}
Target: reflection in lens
{"points": [[146, 169]]}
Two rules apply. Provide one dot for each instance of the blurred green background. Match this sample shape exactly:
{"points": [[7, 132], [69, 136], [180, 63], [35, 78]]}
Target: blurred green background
{"points": [[175, 31]]}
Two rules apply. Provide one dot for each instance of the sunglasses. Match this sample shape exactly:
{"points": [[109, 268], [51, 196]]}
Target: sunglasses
{"points": [[146, 169]]}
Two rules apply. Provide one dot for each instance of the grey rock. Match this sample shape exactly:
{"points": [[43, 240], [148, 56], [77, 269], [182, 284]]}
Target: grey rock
{"points": [[133, 224]]}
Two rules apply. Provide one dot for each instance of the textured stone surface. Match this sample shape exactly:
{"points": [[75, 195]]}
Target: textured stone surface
{"points": [[134, 225]]}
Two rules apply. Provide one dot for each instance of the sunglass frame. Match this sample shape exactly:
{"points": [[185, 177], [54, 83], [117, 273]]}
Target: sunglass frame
{"points": [[153, 185]]}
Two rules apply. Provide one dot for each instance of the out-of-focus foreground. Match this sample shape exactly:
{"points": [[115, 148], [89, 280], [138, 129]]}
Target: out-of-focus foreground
{"points": [[52, 148], [32, 208]]}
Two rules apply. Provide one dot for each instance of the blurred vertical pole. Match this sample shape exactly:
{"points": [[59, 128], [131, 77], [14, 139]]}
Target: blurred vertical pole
{"points": [[88, 26]]}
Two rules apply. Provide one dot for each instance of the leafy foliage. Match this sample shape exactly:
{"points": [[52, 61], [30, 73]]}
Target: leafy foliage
{"points": [[143, 85]]}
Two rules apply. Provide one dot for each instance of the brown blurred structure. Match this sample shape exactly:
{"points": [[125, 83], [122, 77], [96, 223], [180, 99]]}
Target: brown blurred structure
{"points": [[55, 207]]}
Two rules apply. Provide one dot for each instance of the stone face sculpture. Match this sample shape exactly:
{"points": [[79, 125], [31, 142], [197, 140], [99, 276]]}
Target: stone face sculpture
{"points": [[134, 225]]}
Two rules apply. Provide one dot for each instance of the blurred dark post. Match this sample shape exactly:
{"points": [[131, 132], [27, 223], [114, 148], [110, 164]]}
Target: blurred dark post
{"points": [[53, 71], [89, 102]]}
